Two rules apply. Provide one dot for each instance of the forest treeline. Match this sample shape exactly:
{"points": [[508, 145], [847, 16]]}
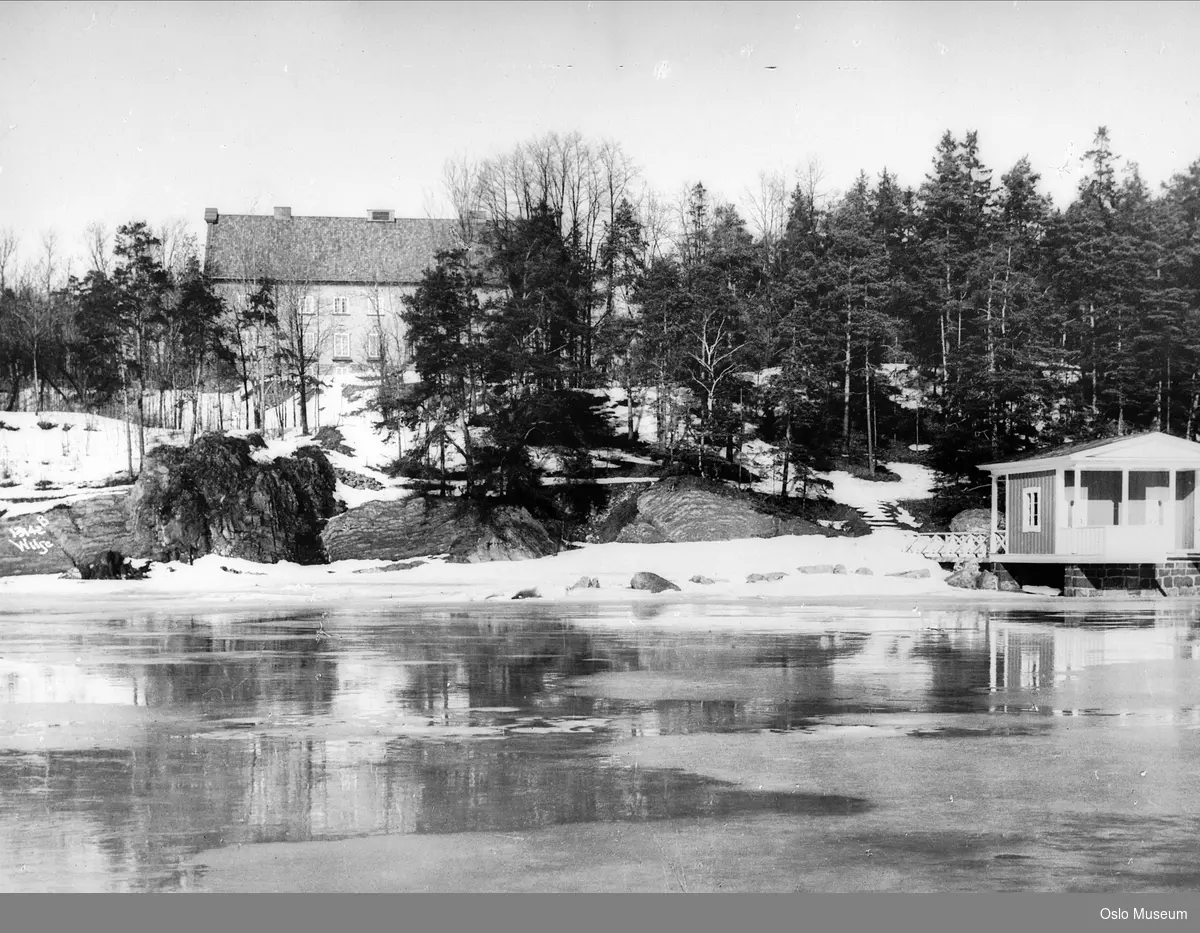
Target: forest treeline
{"points": [[968, 313]]}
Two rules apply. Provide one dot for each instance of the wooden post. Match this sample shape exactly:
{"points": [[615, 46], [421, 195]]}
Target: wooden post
{"points": [[1169, 512], [992, 530]]}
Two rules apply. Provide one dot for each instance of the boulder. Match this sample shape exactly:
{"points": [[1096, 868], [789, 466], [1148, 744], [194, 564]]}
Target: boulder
{"points": [[766, 577], [839, 568], [865, 572], [686, 508], [988, 581], [467, 530], [966, 576], [585, 583], [215, 498], [528, 593], [505, 533], [645, 580], [921, 573], [816, 568], [702, 580], [972, 520]]}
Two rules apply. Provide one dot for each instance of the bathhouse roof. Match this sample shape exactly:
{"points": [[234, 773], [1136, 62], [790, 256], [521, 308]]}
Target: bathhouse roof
{"points": [[1147, 451]]}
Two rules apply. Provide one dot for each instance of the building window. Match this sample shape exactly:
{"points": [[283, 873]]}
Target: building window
{"points": [[374, 346], [341, 346], [307, 305], [341, 305], [1031, 510]]}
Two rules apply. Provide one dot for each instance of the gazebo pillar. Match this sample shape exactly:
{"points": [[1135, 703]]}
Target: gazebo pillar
{"points": [[1169, 511], [992, 532]]}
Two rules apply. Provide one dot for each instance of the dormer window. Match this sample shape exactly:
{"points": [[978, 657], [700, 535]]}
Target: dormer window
{"points": [[381, 216]]}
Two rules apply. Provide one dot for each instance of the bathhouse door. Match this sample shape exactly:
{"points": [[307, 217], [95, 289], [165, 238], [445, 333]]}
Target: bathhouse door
{"points": [[1185, 509]]}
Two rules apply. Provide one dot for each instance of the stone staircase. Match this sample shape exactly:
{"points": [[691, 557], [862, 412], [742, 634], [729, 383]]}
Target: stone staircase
{"points": [[881, 516]]}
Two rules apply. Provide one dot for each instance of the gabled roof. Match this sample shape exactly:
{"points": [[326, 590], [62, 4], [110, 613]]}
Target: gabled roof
{"points": [[1146, 450], [353, 250]]}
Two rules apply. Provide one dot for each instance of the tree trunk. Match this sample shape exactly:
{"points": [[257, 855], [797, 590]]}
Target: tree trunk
{"points": [[128, 430], [846, 392], [37, 383], [867, 393], [993, 412], [787, 456]]}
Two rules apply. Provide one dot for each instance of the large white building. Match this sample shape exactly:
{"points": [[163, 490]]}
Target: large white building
{"points": [[342, 278]]}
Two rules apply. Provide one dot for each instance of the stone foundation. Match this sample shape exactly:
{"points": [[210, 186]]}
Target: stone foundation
{"points": [[1172, 578]]}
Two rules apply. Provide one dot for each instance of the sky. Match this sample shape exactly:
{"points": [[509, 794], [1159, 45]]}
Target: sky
{"points": [[111, 112]]}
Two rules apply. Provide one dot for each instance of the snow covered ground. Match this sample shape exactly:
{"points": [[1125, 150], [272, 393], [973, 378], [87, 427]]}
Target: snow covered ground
{"points": [[74, 455], [220, 581]]}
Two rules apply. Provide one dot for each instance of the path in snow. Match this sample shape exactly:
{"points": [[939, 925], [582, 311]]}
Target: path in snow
{"points": [[876, 500]]}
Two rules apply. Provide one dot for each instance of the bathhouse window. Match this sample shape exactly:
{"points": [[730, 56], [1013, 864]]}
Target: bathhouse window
{"points": [[1031, 510]]}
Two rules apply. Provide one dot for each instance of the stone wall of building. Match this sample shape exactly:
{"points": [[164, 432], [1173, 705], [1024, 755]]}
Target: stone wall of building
{"points": [[1172, 578]]}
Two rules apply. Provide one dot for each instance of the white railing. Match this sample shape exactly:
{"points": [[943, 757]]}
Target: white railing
{"points": [[957, 545]]}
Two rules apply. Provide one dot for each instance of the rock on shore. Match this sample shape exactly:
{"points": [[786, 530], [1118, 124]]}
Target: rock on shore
{"points": [[210, 498], [215, 498], [469, 531], [690, 509]]}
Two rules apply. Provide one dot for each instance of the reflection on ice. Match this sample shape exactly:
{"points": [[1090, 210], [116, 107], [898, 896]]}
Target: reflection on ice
{"points": [[336, 724]]}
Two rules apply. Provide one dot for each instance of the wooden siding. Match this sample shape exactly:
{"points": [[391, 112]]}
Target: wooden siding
{"points": [[1030, 542]]}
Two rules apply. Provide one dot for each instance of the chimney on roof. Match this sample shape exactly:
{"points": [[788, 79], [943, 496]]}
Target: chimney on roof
{"points": [[382, 216], [283, 213], [211, 216]]}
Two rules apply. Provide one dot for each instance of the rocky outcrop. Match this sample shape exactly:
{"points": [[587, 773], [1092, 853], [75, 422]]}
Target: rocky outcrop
{"points": [[645, 580], [215, 498], [702, 580], [686, 508], [921, 573], [65, 536], [33, 543], [641, 533], [765, 577], [210, 498], [467, 530]]}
